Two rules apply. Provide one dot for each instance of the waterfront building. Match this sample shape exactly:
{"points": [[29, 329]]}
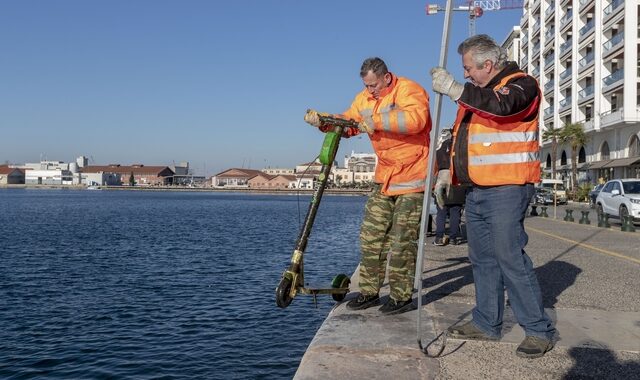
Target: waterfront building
{"points": [[11, 176], [234, 177], [143, 175], [584, 54]]}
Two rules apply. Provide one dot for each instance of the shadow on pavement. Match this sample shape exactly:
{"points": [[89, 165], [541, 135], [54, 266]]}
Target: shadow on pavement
{"points": [[595, 363], [554, 277], [463, 276]]}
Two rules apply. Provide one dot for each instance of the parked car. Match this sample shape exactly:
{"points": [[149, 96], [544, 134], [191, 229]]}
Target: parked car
{"points": [[620, 197], [557, 186], [542, 196], [593, 194]]}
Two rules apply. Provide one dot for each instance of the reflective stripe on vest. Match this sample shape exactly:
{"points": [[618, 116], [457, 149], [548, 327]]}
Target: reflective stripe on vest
{"points": [[503, 137], [508, 158], [418, 184]]}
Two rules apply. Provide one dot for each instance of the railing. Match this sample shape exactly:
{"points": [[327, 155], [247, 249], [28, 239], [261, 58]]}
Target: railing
{"points": [[536, 26], [535, 50], [587, 91], [548, 86], [587, 28], [609, 10], [535, 72], [586, 60], [550, 9], [584, 3], [587, 125], [525, 39], [565, 46], [524, 60], [565, 74], [565, 102], [613, 78], [548, 111], [613, 42], [566, 18], [549, 34], [549, 59]]}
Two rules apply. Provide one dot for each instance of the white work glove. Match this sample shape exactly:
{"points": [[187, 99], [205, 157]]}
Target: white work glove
{"points": [[444, 83], [364, 127], [443, 184], [312, 118]]}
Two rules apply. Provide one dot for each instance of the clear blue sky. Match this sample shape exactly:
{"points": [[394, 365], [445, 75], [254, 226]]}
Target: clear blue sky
{"points": [[217, 83]]}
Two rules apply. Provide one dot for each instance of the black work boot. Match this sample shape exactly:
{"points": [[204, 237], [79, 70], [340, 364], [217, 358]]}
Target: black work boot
{"points": [[396, 307], [469, 331], [363, 301]]}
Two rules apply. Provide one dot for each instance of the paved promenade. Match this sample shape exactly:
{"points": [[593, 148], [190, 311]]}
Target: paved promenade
{"points": [[590, 279]]}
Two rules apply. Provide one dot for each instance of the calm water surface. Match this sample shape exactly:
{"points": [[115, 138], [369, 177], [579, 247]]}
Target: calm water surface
{"points": [[132, 284]]}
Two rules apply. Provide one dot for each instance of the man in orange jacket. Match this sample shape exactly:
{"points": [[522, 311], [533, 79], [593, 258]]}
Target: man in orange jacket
{"points": [[495, 151], [394, 112]]}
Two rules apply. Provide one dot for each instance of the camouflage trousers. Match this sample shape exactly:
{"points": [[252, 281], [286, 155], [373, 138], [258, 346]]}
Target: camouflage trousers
{"points": [[391, 224]]}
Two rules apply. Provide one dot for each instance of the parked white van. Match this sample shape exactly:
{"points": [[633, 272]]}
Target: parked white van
{"points": [[556, 185]]}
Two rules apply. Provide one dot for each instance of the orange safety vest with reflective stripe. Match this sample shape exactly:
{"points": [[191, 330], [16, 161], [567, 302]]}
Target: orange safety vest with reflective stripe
{"points": [[505, 152], [402, 123]]}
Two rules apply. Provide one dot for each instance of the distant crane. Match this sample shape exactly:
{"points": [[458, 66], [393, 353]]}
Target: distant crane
{"points": [[476, 8]]}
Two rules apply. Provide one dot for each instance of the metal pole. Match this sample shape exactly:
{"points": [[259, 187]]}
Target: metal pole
{"points": [[426, 204]]}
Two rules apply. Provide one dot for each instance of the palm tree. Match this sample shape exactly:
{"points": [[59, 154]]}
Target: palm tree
{"points": [[574, 135], [552, 134]]}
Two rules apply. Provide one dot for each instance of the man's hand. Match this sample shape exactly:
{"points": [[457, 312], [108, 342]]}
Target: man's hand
{"points": [[443, 184], [444, 83], [312, 118], [364, 127]]}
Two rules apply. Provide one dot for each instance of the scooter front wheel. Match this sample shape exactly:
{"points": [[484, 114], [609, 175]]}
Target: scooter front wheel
{"points": [[283, 292]]}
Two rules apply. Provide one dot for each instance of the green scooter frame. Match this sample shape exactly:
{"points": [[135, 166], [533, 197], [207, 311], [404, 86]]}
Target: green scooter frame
{"points": [[292, 282]]}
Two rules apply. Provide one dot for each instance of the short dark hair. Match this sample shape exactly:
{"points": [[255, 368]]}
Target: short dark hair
{"points": [[375, 65]]}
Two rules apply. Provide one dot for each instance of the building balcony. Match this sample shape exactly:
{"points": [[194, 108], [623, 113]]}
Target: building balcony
{"points": [[566, 20], [535, 51], [565, 47], [613, 81], [548, 36], [524, 60], [585, 94], [565, 76], [585, 5], [611, 118], [535, 6], [585, 62], [524, 41], [535, 72], [614, 44], [564, 104], [612, 10], [588, 125], [587, 30], [548, 112], [550, 10], [524, 20], [536, 28], [548, 86], [548, 60]]}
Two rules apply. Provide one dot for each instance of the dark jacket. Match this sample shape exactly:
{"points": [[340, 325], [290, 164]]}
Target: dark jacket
{"points": [[457, 193], [516, 97]]}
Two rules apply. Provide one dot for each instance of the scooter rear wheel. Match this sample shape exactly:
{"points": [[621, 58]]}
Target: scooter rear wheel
{"points": [[283, 292], [340, 281]]}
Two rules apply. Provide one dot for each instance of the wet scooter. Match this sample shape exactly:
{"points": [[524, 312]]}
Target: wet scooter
{"points": [[292, 282]]}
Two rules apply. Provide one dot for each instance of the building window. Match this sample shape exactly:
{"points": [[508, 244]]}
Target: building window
{"points": [[604, 151], [563, 158], [582, 156], [634, 146], [548, 164]]}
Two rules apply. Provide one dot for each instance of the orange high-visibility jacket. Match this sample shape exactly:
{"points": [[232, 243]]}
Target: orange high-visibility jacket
{"points": [[402, 124], [502, 151]]}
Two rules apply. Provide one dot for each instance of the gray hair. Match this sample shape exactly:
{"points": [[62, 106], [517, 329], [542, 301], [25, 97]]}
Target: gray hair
{"points": [[375, 65], [484, 48]]}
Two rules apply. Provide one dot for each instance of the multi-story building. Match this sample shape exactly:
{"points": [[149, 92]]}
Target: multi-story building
{"points": [[584, 54]]}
